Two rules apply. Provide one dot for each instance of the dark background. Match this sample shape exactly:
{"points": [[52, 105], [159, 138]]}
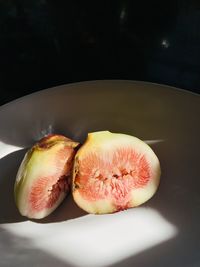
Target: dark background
{"points": [[46, 43]]}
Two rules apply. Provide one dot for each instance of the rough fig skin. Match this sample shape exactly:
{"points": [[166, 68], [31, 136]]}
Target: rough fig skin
{"points": [[44, 176], [114, 172]]}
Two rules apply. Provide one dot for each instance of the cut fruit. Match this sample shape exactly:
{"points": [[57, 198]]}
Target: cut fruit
{"points": [[43, 178], [113, 172]]}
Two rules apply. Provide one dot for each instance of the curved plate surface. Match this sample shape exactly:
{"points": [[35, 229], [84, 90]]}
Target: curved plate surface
{"points": [[163, 232]]}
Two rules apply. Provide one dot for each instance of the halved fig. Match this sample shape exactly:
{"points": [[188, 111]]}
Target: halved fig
{"points": [[43, 178], [113, 172]]}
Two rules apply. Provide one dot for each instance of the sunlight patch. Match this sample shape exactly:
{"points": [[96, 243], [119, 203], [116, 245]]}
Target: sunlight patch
{"points": [[6, 149], [97, 240]]}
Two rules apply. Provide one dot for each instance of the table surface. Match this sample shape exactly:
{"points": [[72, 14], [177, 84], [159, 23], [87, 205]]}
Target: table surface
{"points": [[48, 43]]}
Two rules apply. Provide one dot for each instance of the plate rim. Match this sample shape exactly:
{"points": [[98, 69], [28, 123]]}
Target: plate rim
{"points": [[146, 83]]}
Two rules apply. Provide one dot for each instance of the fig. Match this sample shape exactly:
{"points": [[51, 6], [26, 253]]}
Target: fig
{"points": [[114, 172], [43, 179]]}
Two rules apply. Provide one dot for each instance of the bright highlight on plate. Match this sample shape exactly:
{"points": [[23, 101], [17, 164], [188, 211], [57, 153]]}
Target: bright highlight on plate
{"points": [[6, 149], [97, 241]]}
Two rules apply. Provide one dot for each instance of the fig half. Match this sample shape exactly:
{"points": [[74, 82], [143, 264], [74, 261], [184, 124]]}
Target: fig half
{"points": [[43, 178], [113, 172]]}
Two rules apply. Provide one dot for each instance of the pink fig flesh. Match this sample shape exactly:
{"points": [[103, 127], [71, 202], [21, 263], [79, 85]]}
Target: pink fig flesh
{"points": [[114, 172], [43, 179]]}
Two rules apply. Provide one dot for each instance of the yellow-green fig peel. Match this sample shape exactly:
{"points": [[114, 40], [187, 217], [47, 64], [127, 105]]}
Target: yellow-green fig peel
{"points": [[113, 172], [43, 178]]}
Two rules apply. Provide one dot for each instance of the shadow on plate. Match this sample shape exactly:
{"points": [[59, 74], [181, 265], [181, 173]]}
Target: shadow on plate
{"points": [[8, 212], [8, 170]]}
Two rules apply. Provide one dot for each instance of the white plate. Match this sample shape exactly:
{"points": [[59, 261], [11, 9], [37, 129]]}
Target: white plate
{"points": [[163, 232]]}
